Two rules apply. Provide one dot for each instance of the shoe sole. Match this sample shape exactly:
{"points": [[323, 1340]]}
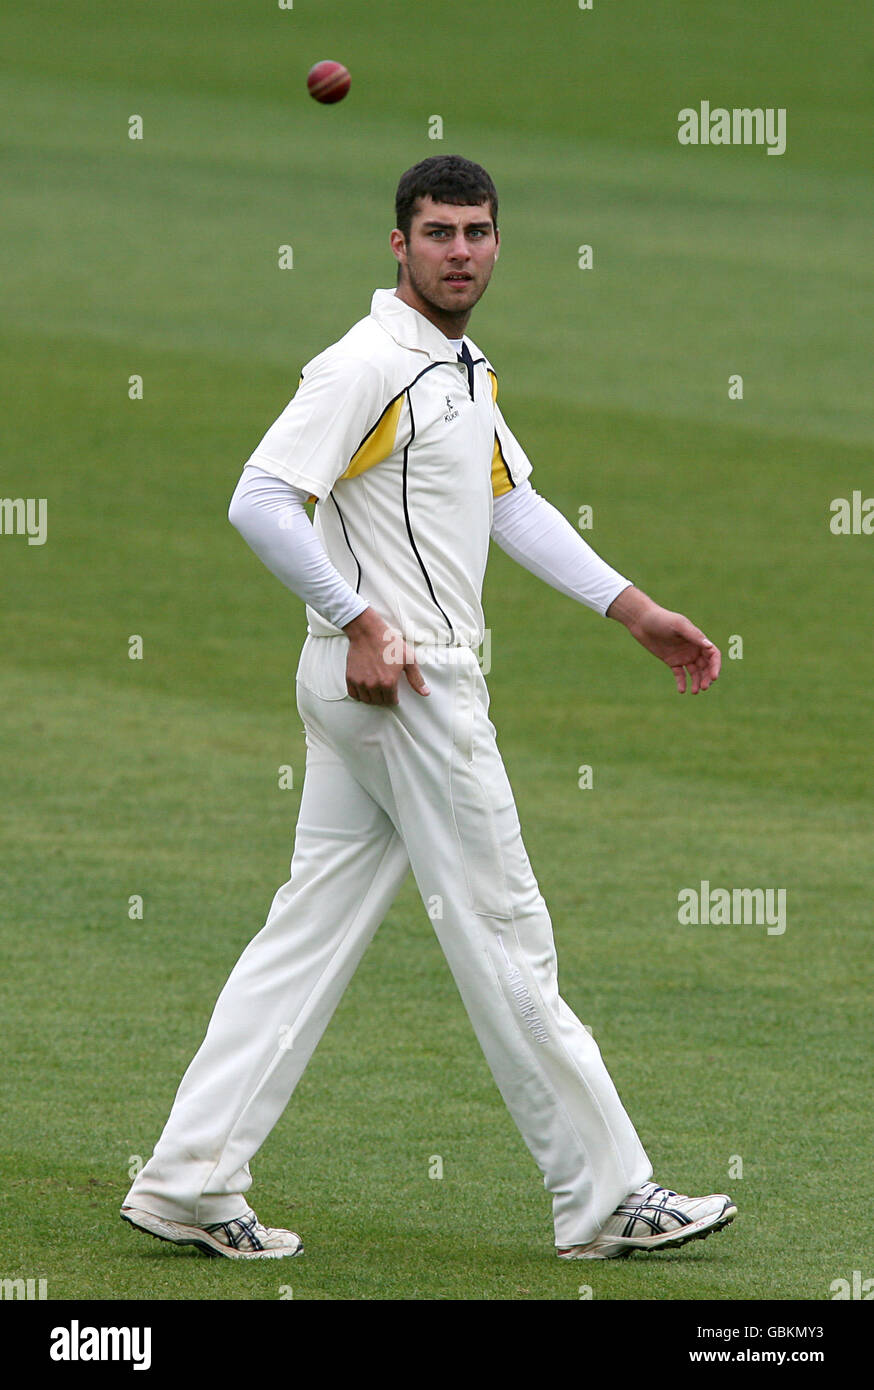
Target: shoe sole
{"points": [[178, 1234], [699, 1230]]}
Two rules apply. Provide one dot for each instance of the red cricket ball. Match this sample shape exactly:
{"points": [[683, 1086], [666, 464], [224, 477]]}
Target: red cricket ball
{"points": [[328, 81]]}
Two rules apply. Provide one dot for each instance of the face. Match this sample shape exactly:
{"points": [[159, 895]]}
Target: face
{"points": [[447, 261]]}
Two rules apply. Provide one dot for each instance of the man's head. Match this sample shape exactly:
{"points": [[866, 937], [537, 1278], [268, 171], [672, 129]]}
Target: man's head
{"points": [[446, 240]]}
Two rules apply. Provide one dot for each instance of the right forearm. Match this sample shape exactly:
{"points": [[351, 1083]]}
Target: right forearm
{"points": [[366, 626], [270, 516]]}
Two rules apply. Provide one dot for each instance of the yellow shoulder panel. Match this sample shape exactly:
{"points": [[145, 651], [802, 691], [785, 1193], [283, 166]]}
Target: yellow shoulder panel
{"points": [[501, 480], [379, 443]]}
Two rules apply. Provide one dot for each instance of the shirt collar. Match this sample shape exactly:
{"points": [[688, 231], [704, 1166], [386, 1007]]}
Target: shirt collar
{"points": [[409, 328]]}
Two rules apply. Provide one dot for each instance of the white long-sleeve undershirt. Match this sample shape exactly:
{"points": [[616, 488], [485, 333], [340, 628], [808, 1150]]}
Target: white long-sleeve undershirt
{"points": [[269, 514], [535, 534]]}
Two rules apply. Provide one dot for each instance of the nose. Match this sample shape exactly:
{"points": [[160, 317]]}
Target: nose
{"points": [[458, 249]]}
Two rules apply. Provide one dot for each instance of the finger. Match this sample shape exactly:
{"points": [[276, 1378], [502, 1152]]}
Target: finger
{"points": [[680, 678], [386, 694], [416, 679], [690, 632], [709, 665], [710, 658]]}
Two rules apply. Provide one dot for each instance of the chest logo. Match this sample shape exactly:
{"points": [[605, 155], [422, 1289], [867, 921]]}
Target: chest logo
{"points": [[451, 412]]}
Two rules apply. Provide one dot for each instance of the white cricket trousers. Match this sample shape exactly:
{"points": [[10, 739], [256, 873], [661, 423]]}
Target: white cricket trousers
{"points": [[418, 784]]}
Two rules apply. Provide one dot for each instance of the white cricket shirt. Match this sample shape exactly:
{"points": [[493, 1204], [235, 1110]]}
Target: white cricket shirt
{"points": [[404, 449]]}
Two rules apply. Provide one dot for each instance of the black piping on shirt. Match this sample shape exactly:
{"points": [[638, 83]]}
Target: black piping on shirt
{"points": [[397, 396], [349, 543], [407, 510]]}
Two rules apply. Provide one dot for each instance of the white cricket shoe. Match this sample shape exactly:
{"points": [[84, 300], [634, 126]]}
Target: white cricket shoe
{"points": [[655, 1219], [244, 1238]]}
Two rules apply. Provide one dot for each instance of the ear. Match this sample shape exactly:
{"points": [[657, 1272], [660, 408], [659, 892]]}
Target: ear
{"points": [[398, 246]]}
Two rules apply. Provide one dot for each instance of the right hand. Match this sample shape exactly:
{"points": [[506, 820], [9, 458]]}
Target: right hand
{"points": [[378, 655]]}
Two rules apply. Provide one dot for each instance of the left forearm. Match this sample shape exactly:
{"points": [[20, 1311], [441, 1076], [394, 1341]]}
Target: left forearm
{"points": [[536, 535], [630, 606]]}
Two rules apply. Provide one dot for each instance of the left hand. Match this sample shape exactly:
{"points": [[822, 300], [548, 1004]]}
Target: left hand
{"points": [[670, 637]]}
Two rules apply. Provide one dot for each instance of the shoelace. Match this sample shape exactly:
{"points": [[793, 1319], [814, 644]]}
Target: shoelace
{"points": [[247, 1230]]}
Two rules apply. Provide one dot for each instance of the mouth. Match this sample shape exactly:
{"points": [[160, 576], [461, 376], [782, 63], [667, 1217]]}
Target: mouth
{"points": [[458, 277]]}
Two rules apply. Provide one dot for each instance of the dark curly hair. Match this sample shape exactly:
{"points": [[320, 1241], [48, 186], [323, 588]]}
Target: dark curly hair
{"points": [[447, 178]]}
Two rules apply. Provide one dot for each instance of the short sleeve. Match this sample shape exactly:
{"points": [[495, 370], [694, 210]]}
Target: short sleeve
{"points": [[337, 404], [510, 463]]}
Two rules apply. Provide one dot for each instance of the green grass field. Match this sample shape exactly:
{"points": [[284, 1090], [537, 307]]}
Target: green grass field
{"points": [[159, 777]]}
